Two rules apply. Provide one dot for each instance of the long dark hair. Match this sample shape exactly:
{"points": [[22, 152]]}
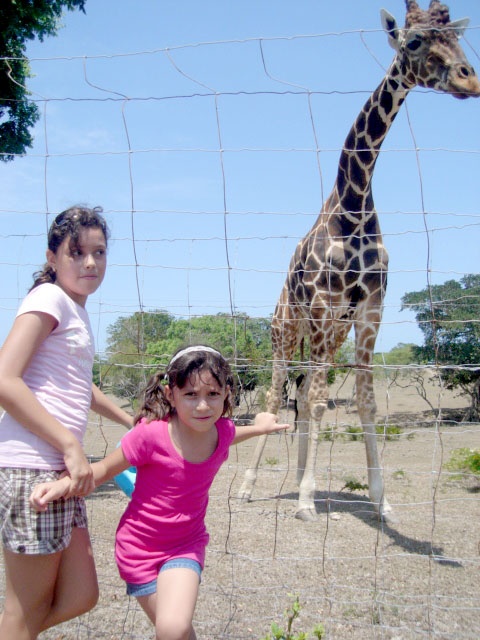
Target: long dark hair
{"points": [[69, 224], [182, 366]]}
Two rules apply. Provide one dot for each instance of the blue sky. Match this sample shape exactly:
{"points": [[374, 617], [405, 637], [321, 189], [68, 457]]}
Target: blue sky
{"points": [[193, 125]]}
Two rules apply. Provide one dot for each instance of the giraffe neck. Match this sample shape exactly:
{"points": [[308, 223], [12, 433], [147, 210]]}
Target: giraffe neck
{"points": [[362, 145]]}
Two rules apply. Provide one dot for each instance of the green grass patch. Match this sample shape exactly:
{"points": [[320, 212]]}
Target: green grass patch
{"points": [[465, 460]]}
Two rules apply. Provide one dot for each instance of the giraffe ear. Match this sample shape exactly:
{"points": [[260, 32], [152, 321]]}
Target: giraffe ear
{"points": [[390, 25], [459, 26]]}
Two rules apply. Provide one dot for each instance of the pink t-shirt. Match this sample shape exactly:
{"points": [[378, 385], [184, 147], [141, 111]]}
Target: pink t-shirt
{"points": [[60, 377], [165, 517]]}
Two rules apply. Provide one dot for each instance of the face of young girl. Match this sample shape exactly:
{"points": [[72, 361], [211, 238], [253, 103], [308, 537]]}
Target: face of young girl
{"points": [[199, 404], [80, 271]]}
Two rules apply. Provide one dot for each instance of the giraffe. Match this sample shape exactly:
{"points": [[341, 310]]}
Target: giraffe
{"points": [[338, 273]]}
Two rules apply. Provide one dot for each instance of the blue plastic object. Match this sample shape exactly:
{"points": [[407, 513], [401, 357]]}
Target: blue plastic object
{"points": [[126, 480]]}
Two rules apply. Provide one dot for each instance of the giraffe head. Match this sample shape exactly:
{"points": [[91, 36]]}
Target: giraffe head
{"points": [[428, 51]]}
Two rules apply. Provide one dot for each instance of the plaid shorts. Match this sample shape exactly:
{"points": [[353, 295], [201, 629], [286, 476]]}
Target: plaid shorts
{"points": [[23, 529]]}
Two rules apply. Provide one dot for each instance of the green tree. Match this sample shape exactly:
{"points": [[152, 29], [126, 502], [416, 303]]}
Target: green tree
{"points": [[244, 341], [127, 367], [401, 354], [20, 21], [135, 332], [140, 343], [448, 315]]}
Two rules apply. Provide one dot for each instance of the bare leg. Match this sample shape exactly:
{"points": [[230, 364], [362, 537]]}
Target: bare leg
{"points": [[43, 590], [172, 607], [76, 588], [27, 598]]}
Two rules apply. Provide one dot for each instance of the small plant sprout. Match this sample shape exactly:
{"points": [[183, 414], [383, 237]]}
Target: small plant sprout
{"points": [[354, 433], [271, 461], [352, 484], [291, 614], [391, 431]]}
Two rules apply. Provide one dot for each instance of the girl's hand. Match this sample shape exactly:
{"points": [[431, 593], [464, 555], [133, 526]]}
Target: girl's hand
{"points": [[267, 423], [47, 492], [81, 474], [263, 424]]}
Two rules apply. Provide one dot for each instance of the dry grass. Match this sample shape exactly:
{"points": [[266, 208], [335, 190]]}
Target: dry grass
{"points": [[361, 578]]}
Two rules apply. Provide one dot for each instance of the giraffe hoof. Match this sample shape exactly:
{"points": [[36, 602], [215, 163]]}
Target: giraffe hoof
{"points": [[307, 515], [388, 516], [384, 512], [244, 496]]}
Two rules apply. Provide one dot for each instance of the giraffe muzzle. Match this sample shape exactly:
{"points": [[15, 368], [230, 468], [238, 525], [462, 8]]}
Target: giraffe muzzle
{"points": [[464, 82]]}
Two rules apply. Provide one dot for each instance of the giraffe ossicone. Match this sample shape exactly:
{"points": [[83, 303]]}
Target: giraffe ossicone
{"points": [[338, 273]]}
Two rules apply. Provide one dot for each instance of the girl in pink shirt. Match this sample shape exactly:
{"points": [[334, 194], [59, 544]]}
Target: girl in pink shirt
{"points": [[46, 390], [180, 440]]}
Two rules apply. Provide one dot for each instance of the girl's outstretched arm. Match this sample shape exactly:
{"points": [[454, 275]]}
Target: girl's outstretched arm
{"points": [[263, 424], [110, 466], [103, 471], [108, 409], [28, 332]]}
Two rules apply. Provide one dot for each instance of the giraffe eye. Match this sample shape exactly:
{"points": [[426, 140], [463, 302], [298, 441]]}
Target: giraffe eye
{"points": [[414, 43], [414, 40]]}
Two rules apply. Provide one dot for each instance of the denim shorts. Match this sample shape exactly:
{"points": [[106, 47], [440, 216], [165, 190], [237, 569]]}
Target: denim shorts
{"points": [[151, 587]]}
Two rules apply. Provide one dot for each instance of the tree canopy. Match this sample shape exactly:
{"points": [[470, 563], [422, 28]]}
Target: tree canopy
{"points": [[142, 343], [401, 354], [20, 21], [128, 367], [449, 318]]}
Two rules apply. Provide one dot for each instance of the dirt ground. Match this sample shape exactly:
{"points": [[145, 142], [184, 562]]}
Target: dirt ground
{"points": [[417, 577]]}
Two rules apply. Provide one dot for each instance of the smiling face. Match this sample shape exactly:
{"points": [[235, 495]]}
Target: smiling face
{"points": [[200, 403], [80, 268]]}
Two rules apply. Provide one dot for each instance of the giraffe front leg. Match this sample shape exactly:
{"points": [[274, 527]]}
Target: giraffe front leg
{"points": [[302, 425], [317, 403], [273, 404], [245, 492], [367, 410], [306, 497], [376, 488]]}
